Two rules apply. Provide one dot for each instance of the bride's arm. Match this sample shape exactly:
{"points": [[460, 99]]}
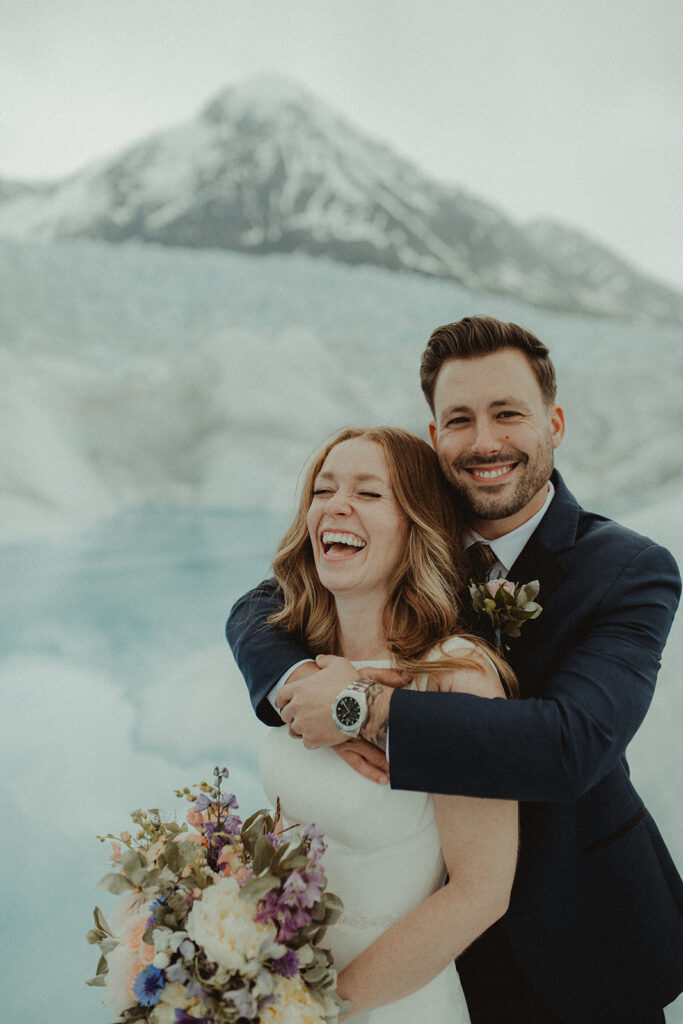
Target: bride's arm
{"points": [[479, 842]]}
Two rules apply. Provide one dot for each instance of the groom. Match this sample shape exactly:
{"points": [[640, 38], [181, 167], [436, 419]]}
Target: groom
{"points": [[594, 932]]}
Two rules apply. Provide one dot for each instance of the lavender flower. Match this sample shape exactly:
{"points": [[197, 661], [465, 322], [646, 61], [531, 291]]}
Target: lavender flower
{"points": [[316, 843], [290, 908]]}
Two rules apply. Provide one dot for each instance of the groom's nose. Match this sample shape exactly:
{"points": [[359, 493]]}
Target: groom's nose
{"points": [[488, 438]]}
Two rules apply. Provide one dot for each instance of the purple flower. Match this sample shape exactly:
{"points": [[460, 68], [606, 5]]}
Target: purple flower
{"points": [[287, 965], [148, 985], [194, 989], [177, 972], [316, 842], [290, 908], [182, 1017], [232, 825], [245, 1002], [303, 887]]}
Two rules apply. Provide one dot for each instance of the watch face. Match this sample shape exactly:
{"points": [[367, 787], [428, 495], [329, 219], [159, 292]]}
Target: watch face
{"points": [[348, 710]]}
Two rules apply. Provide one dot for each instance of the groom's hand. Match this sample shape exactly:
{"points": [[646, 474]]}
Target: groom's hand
{"points": [[305, 704], [365, 759]]}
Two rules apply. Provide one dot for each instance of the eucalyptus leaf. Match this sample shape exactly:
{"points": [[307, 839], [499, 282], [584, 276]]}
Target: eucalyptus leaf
{"points": [[101, 921], [99, 981], [131, 860], [172, 855], [258, 887], [263, 854], [138, 874], [314, 974], [115, 883], [254, 817]]}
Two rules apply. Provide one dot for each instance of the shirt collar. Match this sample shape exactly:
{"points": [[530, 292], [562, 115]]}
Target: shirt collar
{"points": [[508, 548]]}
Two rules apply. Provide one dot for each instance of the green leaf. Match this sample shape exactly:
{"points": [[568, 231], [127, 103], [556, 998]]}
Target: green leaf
{"points": [[258, 887], [314, 974], [116, 883], [254, 817], [172, 855], [511, 629], [263, 854], [99, 981], [334, 907], [101, 921]]}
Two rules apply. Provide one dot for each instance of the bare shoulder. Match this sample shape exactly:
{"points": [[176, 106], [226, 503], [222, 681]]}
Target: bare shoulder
{"points": [[472, 672]]}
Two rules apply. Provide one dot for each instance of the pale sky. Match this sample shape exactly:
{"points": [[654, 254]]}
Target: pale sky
{"points": [[567, 109]]}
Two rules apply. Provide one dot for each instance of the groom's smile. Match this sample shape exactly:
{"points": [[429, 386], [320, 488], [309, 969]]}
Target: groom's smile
{"points": [[488, 474]]}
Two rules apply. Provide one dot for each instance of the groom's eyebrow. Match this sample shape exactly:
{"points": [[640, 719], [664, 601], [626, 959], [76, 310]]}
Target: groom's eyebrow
{"points": [[498, 403]]}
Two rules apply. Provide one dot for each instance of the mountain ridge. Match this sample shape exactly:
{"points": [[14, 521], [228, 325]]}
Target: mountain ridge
{"points": [[266, 166]]}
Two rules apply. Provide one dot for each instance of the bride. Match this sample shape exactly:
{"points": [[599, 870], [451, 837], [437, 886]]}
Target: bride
{"points": [[369, 570]]}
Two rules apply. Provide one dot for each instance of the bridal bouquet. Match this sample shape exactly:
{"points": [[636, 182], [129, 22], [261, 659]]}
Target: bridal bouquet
{"points": [[219, 922]]}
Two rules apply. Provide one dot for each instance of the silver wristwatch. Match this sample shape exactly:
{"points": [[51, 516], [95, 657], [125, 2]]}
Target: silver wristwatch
{"points": [[350, 708]]}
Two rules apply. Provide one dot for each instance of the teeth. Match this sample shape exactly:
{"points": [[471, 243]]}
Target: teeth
{"points": [[490, 474], [343, 538]]}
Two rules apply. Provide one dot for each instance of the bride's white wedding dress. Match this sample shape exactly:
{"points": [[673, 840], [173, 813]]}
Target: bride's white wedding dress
{"points": [[383, 856]]}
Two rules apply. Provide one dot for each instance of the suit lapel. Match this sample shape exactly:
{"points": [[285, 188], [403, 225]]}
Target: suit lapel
{"points": [[538, 562], [556, 532]]}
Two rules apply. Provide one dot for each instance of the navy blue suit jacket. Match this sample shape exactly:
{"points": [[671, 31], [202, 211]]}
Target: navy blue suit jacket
{"points": [[596, 915]]}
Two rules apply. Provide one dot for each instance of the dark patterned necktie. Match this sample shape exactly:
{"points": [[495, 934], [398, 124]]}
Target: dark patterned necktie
{"points": [[479, 560]]}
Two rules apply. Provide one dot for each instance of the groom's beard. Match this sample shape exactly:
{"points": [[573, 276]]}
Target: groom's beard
{"points": [[531, 474]]}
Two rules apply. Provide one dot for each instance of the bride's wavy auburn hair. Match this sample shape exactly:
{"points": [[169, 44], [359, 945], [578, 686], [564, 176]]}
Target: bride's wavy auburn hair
{"points": [[423, 606]]}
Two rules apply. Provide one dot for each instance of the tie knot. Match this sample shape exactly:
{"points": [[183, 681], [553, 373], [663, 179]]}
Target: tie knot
{"points": [[480, 559]]}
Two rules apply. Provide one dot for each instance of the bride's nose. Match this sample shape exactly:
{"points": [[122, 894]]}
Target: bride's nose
{"points": [[338, 504]]}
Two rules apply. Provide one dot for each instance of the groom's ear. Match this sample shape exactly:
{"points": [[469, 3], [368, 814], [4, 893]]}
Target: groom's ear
{"points": [[433, 433], [556, 424]]}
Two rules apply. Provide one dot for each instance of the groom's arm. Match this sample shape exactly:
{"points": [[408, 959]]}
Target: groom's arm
{"points": [[556, 747], [263, 653]]}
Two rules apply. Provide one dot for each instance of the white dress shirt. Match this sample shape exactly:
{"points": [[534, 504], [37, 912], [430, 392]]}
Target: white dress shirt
{"points": [[508, 548]]}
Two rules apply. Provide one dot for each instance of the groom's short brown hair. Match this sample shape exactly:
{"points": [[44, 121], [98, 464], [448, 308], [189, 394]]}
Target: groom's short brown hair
{"points": [[479, 336]]}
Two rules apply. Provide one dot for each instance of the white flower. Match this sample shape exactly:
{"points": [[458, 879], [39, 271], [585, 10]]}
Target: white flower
{"points": [[163, 938], [295, 1005], [171, 997], [223, 924], [161, 960]]}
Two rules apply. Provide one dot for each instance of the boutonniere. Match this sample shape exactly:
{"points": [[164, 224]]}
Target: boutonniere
{"points": [[506, 605]]}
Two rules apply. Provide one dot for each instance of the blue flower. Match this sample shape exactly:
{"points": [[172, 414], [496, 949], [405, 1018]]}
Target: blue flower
{"points": [[148, 985]]}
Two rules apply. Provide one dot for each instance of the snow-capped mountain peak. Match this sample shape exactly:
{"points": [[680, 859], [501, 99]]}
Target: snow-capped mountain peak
{"points": [[268, 167]]}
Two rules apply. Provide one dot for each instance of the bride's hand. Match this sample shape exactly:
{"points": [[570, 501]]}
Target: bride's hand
{"points": [[365, 759]]}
